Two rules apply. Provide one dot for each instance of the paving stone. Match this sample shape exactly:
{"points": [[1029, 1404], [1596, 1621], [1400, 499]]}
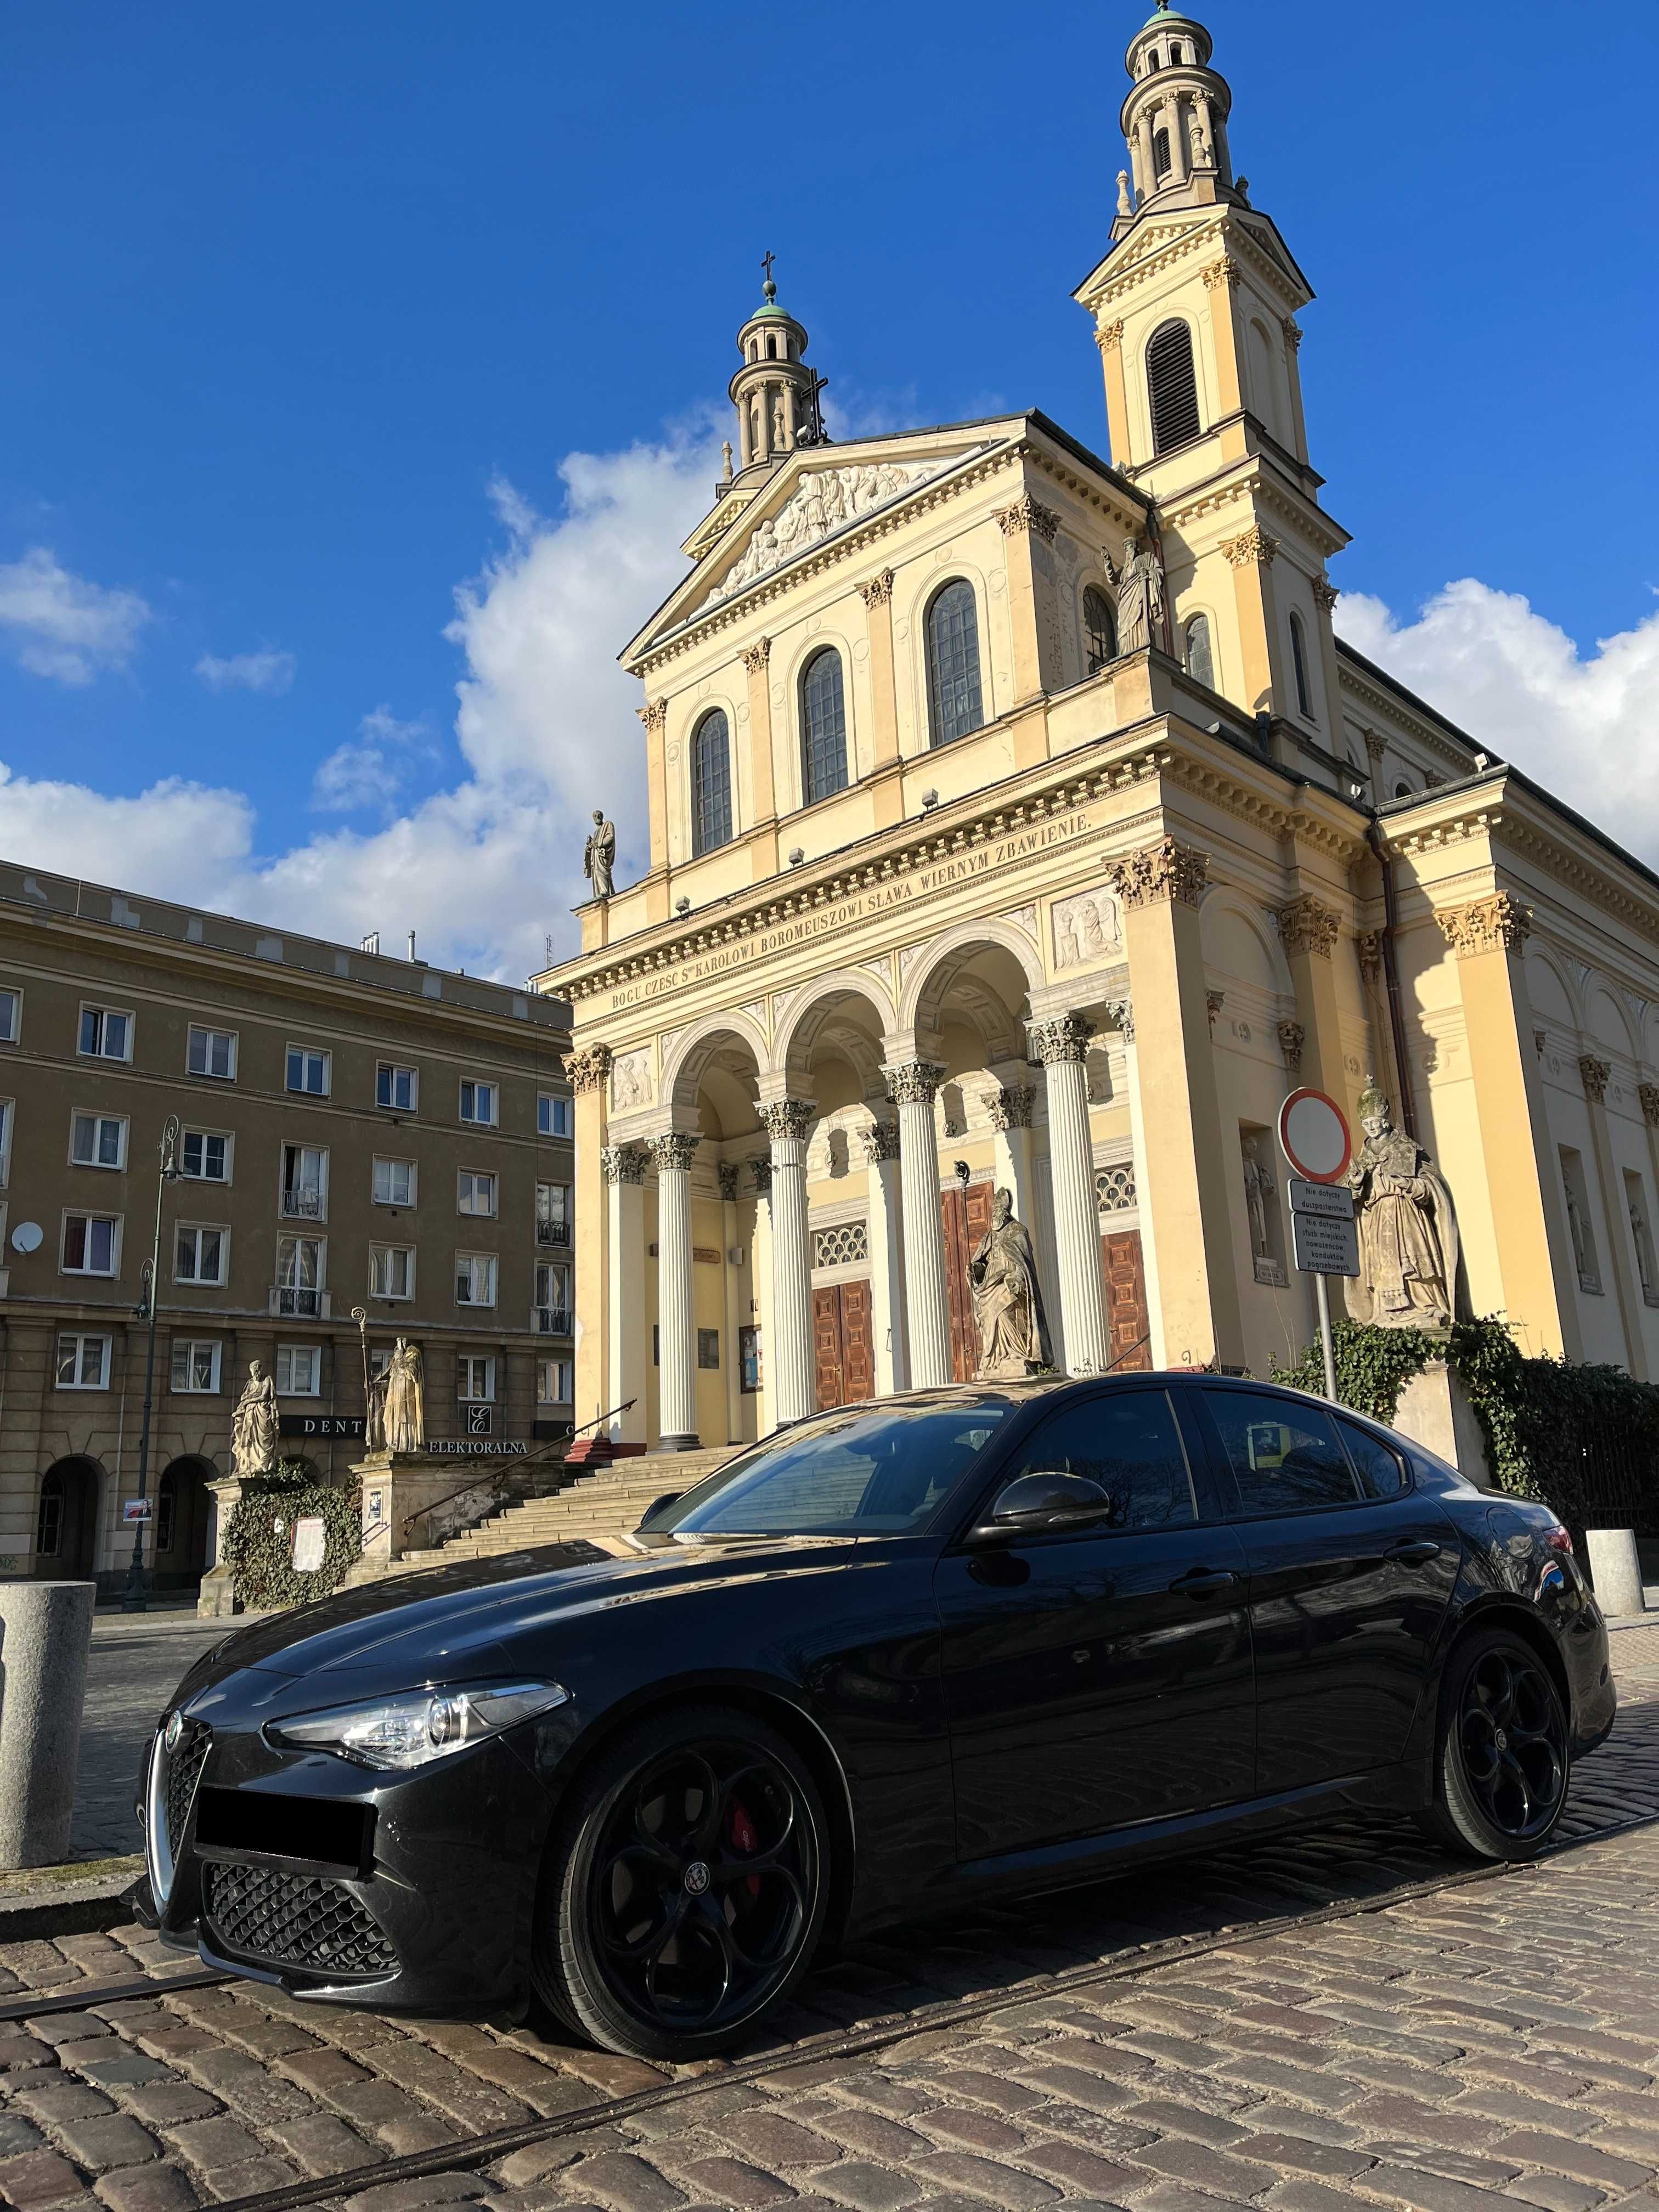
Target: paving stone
{"points": [[1556, 2192], [974, 2129], [210, 2145], [618, 2179], [871, 2133], [112, 2139], [169, 2103], [771, 2139], [731, 2181], [867, 2187], [410, 2196], [38, 2178], [146, 2189], [984, 2178], [1562, 2154], [320, 2144], [1074, 2167]]}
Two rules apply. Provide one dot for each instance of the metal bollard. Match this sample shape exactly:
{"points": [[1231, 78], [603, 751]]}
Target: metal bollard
{"points": [[45, 1635], [1616, 1571]]}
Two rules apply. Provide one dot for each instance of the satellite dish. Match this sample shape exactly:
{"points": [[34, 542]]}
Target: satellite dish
{"points": [[25, 1238]]}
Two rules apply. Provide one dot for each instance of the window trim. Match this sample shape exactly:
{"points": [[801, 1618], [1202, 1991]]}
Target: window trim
{"points": [[1175, 445], [930, 607], [221, 1230], [1301, 674], [97, 1007], [493, 1260], [188, 1344], [556, 1098], [391, 1160], [82, 1336], [1209, 1503], [478, 1082], [465, 1363], [14, 991], [701, 843], [124, 1122], [814, 654], [471, 1212], [285, 1145], [394, 1297], [1341, 1414], [7, 1129], [398, 1067], [324, 1053], [1227, 1482], [206, 1075], [211, 1182], [112, 1273], [315, 1353]]}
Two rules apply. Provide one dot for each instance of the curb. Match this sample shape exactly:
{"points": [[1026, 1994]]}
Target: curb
{"points": [[68, 1900]]}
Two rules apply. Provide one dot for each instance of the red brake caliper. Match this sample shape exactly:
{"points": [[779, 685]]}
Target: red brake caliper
{"points": [[740, 1834]]}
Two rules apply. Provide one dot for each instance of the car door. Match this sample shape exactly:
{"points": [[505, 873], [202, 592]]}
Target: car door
{"points": [[1351, 1573], [1100, 1675]]}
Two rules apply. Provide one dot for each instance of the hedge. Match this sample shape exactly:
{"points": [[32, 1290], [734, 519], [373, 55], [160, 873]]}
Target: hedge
{"points": [[260, 1555]]}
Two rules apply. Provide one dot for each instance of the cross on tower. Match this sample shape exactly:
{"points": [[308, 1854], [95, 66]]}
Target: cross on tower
{"points": [[767, 259]]}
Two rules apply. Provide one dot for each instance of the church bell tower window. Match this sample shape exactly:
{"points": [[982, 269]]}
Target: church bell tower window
{"points": [[1299, 666], [953, 689], [822, 728], [1172, 387], [1100, 626], [1200, 663]]}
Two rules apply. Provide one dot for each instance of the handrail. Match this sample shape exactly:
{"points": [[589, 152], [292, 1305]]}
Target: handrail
{"points": [[597, 1418]]}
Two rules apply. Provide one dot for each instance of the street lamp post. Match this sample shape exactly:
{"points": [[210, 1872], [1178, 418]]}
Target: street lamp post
{"points": [[136, 1597]]}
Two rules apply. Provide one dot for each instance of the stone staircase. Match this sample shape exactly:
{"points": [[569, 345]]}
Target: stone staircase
{"points": [[602, 1506]]}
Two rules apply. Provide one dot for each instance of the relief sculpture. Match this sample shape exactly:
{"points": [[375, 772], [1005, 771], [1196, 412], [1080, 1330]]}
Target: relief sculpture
{"points": [[1085, 929]]}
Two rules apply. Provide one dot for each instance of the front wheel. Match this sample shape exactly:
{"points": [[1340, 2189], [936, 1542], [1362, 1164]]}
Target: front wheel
{"points": [[685, 1888], [1502, 1761]]}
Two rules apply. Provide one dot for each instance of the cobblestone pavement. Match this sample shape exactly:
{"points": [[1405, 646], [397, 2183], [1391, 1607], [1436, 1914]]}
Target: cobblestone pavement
{"points": [[135, 1664], [1324, 2040]]}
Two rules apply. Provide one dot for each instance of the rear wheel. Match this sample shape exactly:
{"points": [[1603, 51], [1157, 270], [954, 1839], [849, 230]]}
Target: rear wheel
{"points": [[684, 1890], [1502, 1761]]}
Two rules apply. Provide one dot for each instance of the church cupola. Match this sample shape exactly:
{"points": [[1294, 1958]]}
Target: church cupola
{"points": [[776, 394], [1174, 118]]}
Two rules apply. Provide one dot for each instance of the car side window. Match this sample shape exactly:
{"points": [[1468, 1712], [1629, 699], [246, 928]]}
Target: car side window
{"points": [[1284, 1456], [1381, 1470], [1129, 1444]]}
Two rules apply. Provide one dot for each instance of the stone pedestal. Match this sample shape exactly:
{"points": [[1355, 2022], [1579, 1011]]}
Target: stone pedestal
{"points": [[217, 1600], [1615, 1571], [1434, 1411], [46, 1634], [415, 1501]]}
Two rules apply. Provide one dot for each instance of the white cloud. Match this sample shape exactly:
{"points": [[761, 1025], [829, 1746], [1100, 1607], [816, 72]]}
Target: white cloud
{"points": [[374, 768], [267, 670], [546, 725], [1578, 722], [62, 626]]}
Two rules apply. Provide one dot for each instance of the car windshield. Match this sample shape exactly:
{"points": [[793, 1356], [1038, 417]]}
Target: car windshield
{"points": [[861, 1471]]}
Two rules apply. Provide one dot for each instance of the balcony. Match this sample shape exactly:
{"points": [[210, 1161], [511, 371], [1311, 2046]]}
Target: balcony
{"points": [[302, 1206], [551, 1321], [553, 1232], [290, 1301]]}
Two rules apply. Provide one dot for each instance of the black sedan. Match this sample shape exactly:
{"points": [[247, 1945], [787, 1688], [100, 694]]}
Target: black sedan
{"points": [[972, 1640]]}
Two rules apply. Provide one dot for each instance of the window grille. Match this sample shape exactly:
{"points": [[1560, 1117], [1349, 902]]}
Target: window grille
{"points": [[711, 784], [823, 727], [843, 1246], [953, 689], [1114, 1188], [1171, 386]]}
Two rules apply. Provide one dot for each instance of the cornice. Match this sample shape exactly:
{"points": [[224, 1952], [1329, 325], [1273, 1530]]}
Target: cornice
{"points": [[1208, 226], [1251, 483], [1354, 683]]}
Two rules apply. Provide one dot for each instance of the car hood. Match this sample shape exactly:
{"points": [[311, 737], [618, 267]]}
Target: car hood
{"points": [[454, 1619]]}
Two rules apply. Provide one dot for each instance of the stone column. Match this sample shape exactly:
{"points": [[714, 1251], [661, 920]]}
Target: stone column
{"points": [[1175, 123], [589, 1070], [927, 1309], [1144, 150], [1017, 522], [1308, 931], [1616, 1212], [881, 1153], [794, 1385], [1061, 1044], [1108, 336], [728, 1172], [625, 1331], [1010, 1110], [762, 795], [1126, 1022], [766, 1415], [877, 596], [676, 1386]]}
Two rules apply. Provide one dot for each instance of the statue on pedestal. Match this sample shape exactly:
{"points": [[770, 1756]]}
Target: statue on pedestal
{"points": [[403, 1410], [600, 855], [253, 1426], [1408, 1241], [1002, 1278], [1139, 585]]}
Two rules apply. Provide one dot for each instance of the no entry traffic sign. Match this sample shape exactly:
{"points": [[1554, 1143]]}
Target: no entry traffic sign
{"points": [[1314, 1136]]}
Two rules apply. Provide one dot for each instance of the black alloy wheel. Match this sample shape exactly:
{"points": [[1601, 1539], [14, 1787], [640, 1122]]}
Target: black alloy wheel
{"points": [[1505, 1761], [685, 1890]]}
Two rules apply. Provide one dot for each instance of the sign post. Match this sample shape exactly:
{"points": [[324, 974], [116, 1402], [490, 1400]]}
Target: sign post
{"points": [[1314, 1137]]}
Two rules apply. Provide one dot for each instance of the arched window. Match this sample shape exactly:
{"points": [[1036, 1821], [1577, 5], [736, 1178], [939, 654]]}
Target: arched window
{"points": [[166, 1511], [1200, 663], [822, 728], [1402, 791], [772, 346], [954, 704], [1300, 665], [1172, 387], [1160, 153], [1099, 628], [711, 784], [49, 1527], [1176, 55]]}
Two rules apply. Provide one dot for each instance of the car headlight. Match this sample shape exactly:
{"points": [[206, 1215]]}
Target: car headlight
{"points": [[417, 1726]]}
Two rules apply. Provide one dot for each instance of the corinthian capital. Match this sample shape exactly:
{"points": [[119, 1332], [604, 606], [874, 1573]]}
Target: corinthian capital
{"points": [[1304, 925], [588, 1068], [1109, 335], [1165, 870], [915, 1084], [1648, 1096], [624, 1163], [782, 1118], [1028, 513], [881, 1142], [672, 1154], [1011, 1106], [1595, 1074], [878, 590], [1224, 271], [758, 654], [654, 715], [1061, 1038], [1253, 545], [1498, 921]]}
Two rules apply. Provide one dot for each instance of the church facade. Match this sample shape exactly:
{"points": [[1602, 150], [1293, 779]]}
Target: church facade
{"points": [[1017, 821]]}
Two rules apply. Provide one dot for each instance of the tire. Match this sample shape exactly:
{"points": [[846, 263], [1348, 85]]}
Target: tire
{"points": [[1502, 1758], [684, 1889]]}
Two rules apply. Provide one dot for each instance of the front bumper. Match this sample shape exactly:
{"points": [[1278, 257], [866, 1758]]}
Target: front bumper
{"points": [[411, 1891]]}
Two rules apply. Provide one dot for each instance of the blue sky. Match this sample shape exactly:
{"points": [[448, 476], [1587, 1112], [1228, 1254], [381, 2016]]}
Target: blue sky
{"points": [[309, 308]]}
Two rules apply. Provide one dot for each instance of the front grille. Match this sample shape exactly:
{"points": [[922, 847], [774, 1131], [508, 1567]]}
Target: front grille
{"points": [[293, 1920], [184, 1772]]}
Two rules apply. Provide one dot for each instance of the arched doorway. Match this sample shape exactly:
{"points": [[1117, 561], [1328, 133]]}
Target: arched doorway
{"points": [[66, 1521], [183, 1515]]}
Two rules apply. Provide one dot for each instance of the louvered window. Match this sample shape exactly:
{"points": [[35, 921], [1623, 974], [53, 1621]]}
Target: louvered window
{"points": [[1172, 387], [822, 728], [953, 692], [1200, 663], [1300, 665], [711, 784], [1100, 628], [1160, 153]]}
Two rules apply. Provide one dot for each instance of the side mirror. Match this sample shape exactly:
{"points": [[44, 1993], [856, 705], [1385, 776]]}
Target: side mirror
{"points": [[657, 1505], [1032, 1503]]}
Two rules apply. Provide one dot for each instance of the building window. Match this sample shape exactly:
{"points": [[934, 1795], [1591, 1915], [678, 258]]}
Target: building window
{"points": [[1200, 663], [6, 1110], [475, 1379], [552, 1115], [82, 1362], [954, 704], [394, 1182], [551, 1314], [106, 1034], [475, 1279], [195, 1363], [49, 1521], [1580, 1227], [299, 1371], [822, 728], [1299, 666], [200, 1255], [396, 1087], [475, 1192], [553, 1212], [92, 1244], [708, 1347], [309, 1070], [204, 1156], [300, 1265], [304, 1195], [711, 784], [556, 1381], [11, 1016], [391, 1271], [212, 1051], [1160, 154], [1402, 790], [167, 1509], [1099, 628], [478, 1103], [98, 1140], [1172, 387], [841, 1246]]}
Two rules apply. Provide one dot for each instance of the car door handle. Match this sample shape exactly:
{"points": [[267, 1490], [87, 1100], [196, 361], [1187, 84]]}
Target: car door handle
{"points": [[1203, 1581], [1414, 1551]]}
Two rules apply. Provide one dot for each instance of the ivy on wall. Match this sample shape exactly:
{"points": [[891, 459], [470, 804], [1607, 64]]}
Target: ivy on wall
{"points": [[260, 1554]]}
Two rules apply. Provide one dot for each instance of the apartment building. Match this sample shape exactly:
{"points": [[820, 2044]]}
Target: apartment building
{"points": [[365, 1147]]}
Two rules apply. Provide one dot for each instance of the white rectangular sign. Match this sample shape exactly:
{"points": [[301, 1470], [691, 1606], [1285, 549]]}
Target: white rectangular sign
{"points": [[1331, 1201], [1325, 1248], [310, 1543], [136, 1509]]}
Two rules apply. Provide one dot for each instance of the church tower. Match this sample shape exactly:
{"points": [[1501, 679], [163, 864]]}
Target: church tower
{"points": [[1194, 309], [775, 392]]}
